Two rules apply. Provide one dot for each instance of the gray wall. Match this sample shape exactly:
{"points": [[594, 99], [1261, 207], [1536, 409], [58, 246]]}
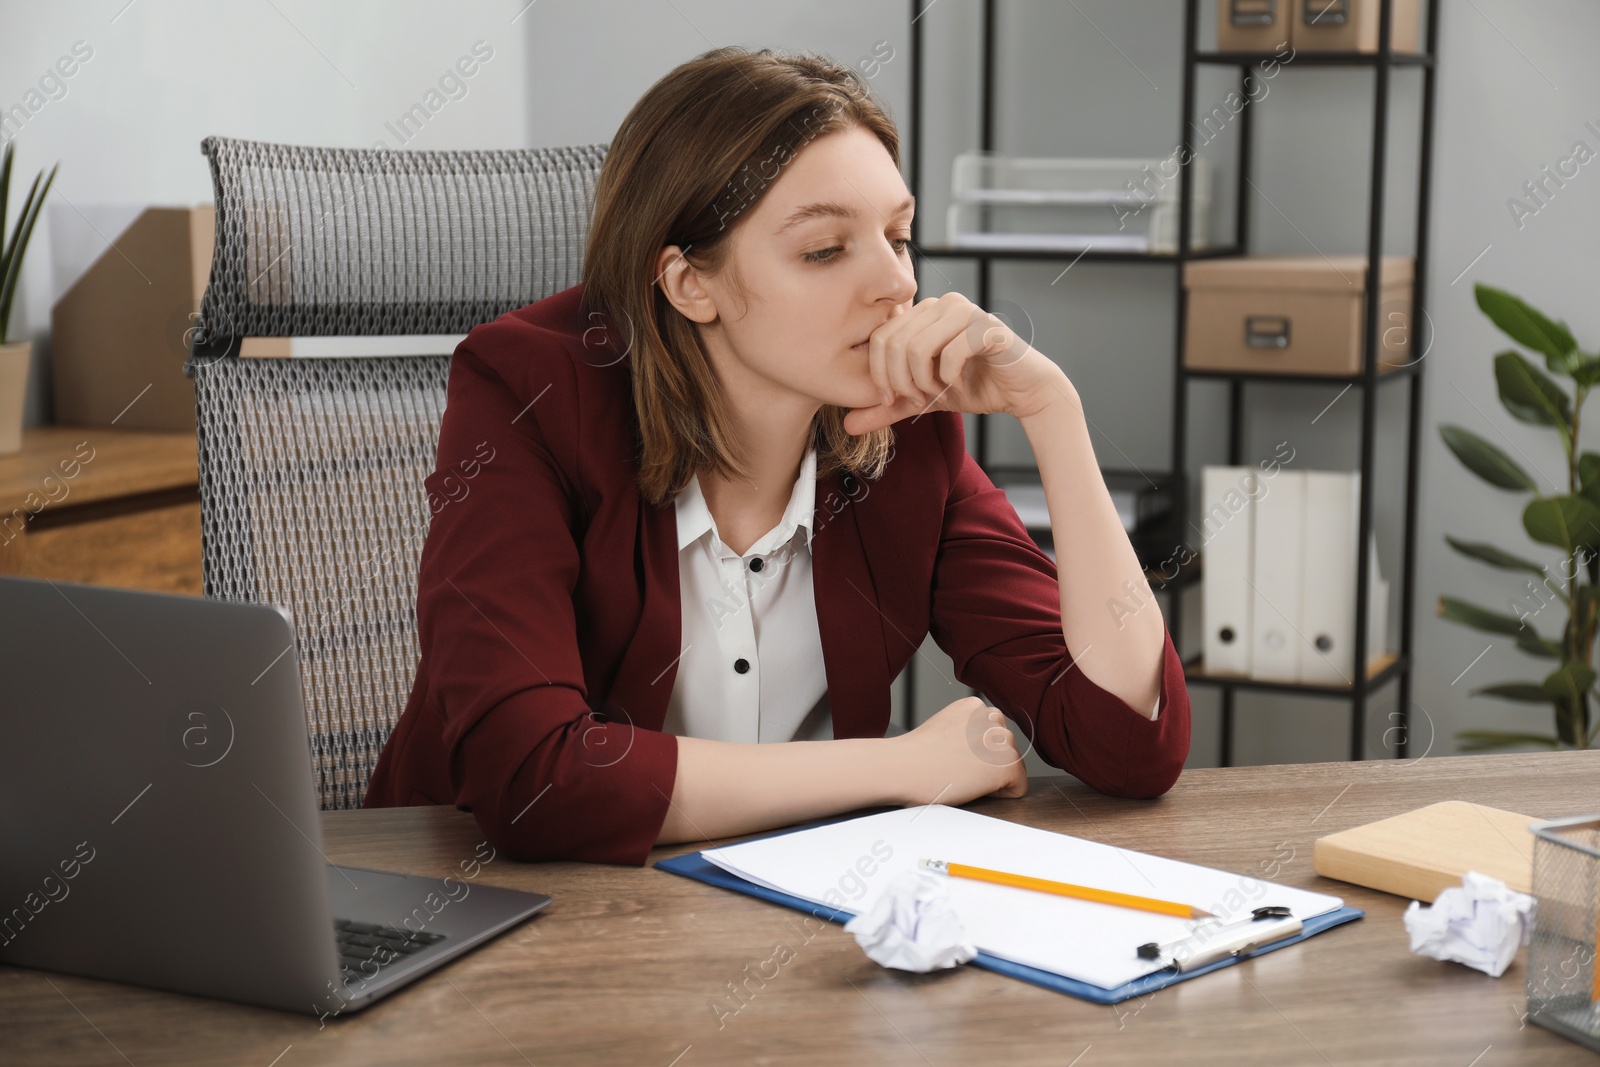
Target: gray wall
{"points": [[1096, 77]]}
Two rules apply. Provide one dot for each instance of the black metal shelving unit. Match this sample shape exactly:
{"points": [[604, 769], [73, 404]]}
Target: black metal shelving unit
{"points": [[1392, 669]]}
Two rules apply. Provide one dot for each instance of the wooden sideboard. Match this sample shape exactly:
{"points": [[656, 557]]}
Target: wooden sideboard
{"points": [[103, 506]]}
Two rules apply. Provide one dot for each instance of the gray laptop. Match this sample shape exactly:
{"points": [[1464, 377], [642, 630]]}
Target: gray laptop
{"points": [[158, 821]]}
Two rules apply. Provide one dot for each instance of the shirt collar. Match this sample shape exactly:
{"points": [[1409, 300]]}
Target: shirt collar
{"points": [[694, 517]]}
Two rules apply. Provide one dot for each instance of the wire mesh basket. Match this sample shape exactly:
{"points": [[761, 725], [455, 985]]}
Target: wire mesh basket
{"points": [[1563, 977]]}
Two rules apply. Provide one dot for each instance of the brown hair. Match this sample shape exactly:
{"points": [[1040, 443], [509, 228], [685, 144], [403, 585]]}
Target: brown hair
{"points": [[696, 152]]}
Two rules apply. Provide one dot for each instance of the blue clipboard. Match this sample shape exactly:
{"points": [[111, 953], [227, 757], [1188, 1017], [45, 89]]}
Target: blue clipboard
{"points": [[695, 865]]}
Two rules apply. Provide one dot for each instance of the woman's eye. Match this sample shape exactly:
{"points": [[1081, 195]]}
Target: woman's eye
{"points": [[824, 255]]}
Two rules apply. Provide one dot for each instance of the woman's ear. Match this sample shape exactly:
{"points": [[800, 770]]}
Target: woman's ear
{"points": [[681, 285]]}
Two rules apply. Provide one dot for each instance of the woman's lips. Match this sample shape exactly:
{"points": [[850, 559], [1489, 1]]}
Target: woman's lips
{"points": [[861, 346]]}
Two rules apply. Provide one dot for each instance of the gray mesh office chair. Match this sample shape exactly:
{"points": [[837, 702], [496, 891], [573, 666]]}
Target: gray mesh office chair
{"points": [[311, 470]]}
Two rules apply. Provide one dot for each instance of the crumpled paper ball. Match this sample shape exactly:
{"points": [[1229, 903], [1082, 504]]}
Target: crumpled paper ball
{"points": [[913, 926], [1481, 923]]}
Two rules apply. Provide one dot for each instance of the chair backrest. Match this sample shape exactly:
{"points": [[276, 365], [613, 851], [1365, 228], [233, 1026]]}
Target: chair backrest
{"points": [[311, 470]]}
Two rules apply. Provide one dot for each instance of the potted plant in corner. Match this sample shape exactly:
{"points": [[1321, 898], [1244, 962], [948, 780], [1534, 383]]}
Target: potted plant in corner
{"points": [[15, 357], [1563, 600]]}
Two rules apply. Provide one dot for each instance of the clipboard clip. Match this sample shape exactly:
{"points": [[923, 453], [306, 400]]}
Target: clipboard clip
{"points": [[1213, 939]]}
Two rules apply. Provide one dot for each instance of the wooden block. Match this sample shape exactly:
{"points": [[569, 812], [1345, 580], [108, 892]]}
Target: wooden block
{"points": [[1421, 852]]}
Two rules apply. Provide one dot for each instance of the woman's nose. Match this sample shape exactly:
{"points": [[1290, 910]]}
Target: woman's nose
{"points": [[903, 286]]}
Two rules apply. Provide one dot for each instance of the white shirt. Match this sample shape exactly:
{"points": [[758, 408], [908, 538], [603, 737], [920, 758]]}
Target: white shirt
{"points": [[758, 611]]}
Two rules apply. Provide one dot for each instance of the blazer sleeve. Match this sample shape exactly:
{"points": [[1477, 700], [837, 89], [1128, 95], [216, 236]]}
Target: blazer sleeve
{"points": [[498, 630], [997, 613]]}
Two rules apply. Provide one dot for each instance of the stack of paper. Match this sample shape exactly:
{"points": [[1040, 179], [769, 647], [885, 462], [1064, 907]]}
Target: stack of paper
{"points": [[846, 865]]}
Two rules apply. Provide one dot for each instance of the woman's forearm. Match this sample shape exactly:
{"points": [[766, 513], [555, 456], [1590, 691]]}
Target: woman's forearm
{"points": [[725, 788], [1109, 617]]}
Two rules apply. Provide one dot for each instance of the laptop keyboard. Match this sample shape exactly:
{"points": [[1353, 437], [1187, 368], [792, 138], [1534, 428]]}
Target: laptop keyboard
{"points": [[366, 948]]}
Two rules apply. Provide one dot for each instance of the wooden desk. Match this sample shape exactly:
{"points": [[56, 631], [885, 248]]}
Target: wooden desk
{"points": [[104, 506], [625, 965]]}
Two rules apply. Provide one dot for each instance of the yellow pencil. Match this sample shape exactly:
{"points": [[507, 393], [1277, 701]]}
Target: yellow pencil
{"points": [[1065, 889]]}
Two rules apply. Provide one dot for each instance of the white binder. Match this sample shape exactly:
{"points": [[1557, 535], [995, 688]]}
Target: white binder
{"points": [[1327, 604], [1227, 522], [1328, 588], [1275, 596]]}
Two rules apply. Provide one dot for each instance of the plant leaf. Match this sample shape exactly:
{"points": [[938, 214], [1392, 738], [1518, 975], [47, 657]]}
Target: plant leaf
{"points": [[1494, 622], [1587, 371], [5, 190], [1521, 692], [1570, 679], [1484, 552], [1588, 467], [19, 245], [1567, 522], [1528, 639], [1485, 460], [1529, 394], [1528, 327], [1535, 645], [1590, 492], [1479, 740], [16, 231]]}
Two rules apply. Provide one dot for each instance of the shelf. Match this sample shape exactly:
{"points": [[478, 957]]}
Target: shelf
{"points": [[1380, 671], [1405, 370], [949, 252], [1314, 59], [1393, 666]]}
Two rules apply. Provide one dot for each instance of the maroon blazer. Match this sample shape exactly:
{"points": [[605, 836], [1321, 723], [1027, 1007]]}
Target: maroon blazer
{"points": [[549, 619]]}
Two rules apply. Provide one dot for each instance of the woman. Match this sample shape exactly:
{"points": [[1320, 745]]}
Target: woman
{"points": [[694, 514]]}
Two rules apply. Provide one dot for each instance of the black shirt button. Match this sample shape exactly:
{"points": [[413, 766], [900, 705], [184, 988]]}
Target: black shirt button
{"points": [[741, 665], [755, 564]]}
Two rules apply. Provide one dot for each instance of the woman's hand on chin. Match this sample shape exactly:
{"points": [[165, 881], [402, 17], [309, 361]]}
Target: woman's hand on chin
{"points": [[947, 354]]}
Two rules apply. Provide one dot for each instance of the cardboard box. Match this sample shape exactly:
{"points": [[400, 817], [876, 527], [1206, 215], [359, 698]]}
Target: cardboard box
{"points": [[1352, 25], [1314, 25], [1293, 314], [1253, 25], [119, 335]]}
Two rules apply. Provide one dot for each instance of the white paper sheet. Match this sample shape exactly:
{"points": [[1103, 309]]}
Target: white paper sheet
{"points": [[848, 864]]}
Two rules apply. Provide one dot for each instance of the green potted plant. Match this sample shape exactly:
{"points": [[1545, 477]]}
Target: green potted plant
{"points": [[1562, 601], [15, 357]]}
